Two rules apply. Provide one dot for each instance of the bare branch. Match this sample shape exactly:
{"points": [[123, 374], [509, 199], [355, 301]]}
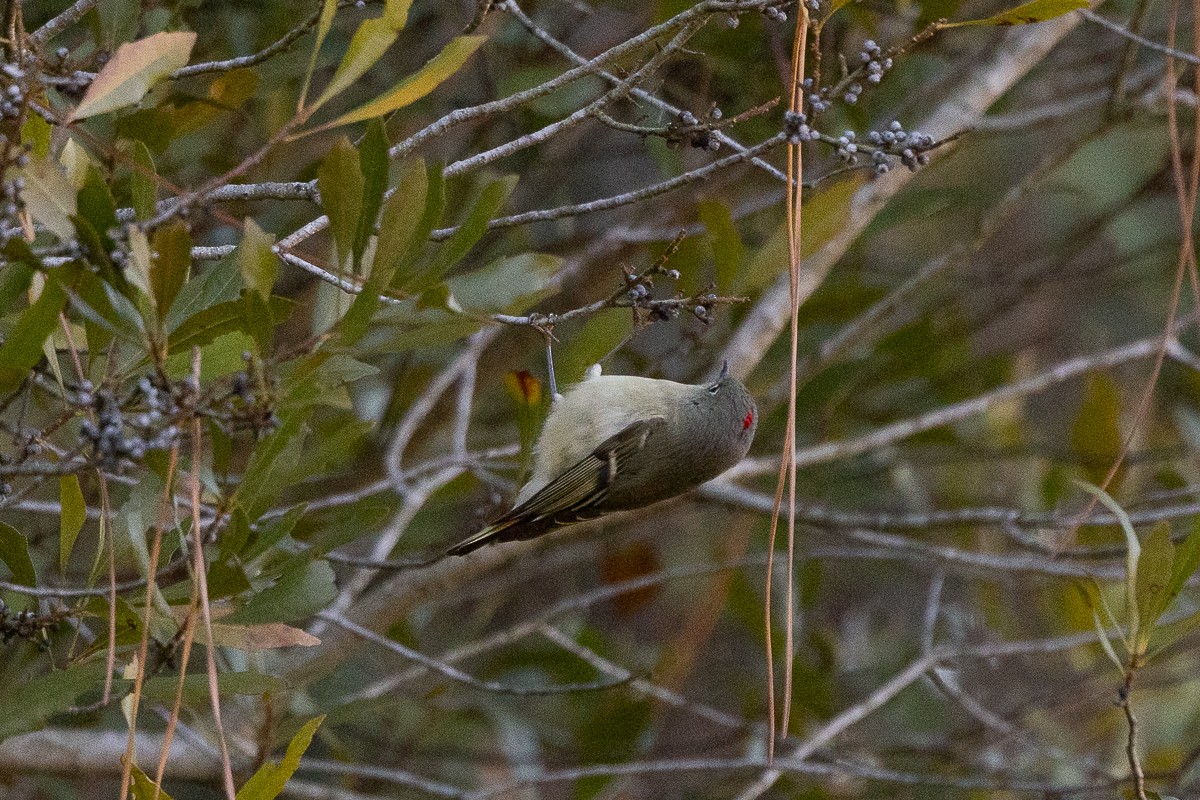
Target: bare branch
{"points": [[1020, 51], [1092, 16], [450, 672], [61, 22]]}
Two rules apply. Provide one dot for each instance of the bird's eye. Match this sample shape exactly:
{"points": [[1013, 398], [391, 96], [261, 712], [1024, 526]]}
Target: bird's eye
{"points": [[714, 388]]}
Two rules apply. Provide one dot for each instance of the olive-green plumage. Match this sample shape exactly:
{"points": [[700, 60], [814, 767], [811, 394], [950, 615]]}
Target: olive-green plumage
{"points": [[619, 442]]}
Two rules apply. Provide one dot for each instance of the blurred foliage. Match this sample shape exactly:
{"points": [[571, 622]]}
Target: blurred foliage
{"points": [[293, 286]]}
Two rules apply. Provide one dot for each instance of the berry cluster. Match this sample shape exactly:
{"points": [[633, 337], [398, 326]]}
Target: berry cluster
{"points": [[694, 131], [818, 99], [666, 308], [12, 152], [847, 147], [116, 435], [26, 625], [796, 126], [874, 61], [12, 106], [12, 197], [912, 147], [245, 405], [703, 309]]}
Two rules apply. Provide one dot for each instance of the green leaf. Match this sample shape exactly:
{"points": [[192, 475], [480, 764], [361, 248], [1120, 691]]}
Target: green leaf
{"points": [[1025, 14], [324, 23], [144, 787], [97, 248], [96, 203], [373, 162], [598, 336], [218, 284], [171, 263], [304, 588], [268, 534], [159, 125], [143, 182], [435, 205], [49, 196], [1168, 634], [205, 326], [1133, 552], [137, 268], [1096, 434], [415, 86], [70, 521], [227, 578], [726, 243], [258, 321], [133, 69], [832, 8], [370, 42], [229, 91], [402, 216], [14, 552], [101, 320], [235, 536], [1090, 592], [219, 358], [17, 277], [319, 379], [395, 12], [507, 284], [262, 480], [35, 132], [353, 326], [402, 213], [128, 622], [340, 182], [47, 695], [118, 21], [1187, 560], [260, 266], [469, 232], [162, 688], [268, 782], [1153, 579], [22, 348]]}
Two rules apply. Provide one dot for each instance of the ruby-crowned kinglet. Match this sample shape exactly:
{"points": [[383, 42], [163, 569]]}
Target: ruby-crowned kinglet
{"points": [[619, 442]]}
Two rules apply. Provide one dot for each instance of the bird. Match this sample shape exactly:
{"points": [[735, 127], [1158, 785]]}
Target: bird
{"points": [[619, 442]]}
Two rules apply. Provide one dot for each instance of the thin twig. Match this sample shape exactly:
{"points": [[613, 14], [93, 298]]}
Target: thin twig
{"points": [[1131, 753], [640, 94], [1092, 16], [61, 22], [896, 431], [577, 117], [459, 676], [625, 198], [281, 45]]}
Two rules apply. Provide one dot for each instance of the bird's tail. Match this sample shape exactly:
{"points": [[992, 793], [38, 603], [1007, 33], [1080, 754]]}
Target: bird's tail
{"points": [[494, 532]]}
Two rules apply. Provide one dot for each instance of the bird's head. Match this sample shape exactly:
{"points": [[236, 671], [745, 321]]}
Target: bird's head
{"points": [[729, 401]]}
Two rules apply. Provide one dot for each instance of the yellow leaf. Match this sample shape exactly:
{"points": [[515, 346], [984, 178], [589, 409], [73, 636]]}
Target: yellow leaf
{"points": [[415, 86], [49, 196], [131, 72], [370, 42], [1025, 14]]}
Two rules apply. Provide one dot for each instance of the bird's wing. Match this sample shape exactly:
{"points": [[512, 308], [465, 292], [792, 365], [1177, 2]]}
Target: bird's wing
{"points": [[572, 496]]}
